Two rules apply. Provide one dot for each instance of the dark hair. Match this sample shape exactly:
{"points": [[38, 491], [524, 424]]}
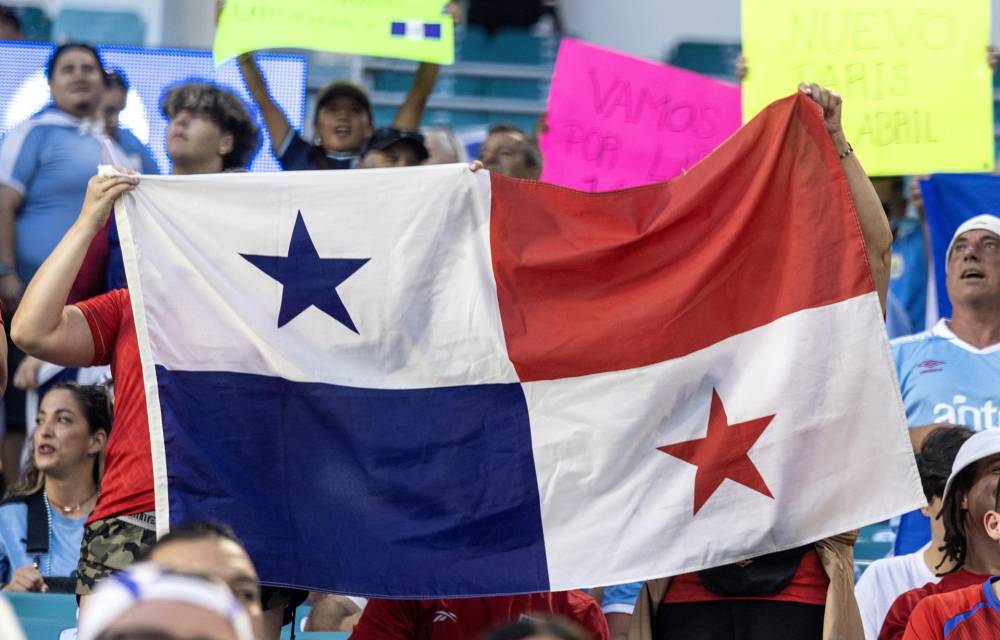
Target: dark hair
{"points": [[937, 454], [195, 530], [536, 626], [953, 517], [532, 155], [50, 67], [9, 16], [97, 410], [224, 109], [115, 79]]}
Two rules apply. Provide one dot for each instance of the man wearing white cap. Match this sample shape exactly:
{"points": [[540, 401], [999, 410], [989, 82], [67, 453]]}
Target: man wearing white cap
{"points": [[970, 495], [951, 373]]}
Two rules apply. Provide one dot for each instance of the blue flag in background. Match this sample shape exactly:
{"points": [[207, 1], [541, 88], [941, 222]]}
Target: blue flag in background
{"points": [[950, 200]]}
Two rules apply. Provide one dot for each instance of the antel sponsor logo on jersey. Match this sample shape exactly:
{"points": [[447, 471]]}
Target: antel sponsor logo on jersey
{"points": [[931, 366], [959, 412]]}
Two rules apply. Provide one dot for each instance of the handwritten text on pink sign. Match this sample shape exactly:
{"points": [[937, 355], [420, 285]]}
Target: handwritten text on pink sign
{"points": [[616, 121]]}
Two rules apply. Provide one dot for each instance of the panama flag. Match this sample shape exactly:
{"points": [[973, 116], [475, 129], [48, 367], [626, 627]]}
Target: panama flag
{"points": [[434, 382]]}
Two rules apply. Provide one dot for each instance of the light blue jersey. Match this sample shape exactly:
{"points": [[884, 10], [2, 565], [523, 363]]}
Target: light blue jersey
{"points": [[944, 379], [64, 543], [48, 159]]}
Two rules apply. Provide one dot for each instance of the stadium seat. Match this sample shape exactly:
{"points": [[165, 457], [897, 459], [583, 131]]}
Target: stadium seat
{"points": [[471, 44], [710, 58], [514, 46], [44, 615], [514, 88], [35, 23], [101, 27], [470, 86], [393, 81]]}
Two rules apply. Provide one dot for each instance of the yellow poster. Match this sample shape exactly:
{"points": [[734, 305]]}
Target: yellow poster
{"points": [[410, 29], [914, 76]]}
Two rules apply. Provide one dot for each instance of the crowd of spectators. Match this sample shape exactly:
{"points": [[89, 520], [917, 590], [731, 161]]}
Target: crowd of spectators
{"points": [[79, 516]]}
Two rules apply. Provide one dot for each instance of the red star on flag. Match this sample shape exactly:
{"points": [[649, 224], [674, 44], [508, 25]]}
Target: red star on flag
{"points": [[722, 453]]}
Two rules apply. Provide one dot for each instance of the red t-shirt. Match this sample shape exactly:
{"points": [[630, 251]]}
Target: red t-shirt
{"points": [[899, 613], [808, 586], [971, 613], [127, 486], [464, 618]]}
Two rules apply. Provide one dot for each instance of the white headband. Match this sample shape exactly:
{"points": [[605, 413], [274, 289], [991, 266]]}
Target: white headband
{"points": [[147, 582]]}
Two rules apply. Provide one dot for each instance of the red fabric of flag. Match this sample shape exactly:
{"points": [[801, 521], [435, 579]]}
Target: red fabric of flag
{"points": [[761, 228]]}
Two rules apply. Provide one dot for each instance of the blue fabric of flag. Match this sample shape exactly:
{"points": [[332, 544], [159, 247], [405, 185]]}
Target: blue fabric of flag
{"points": [[432, 31], [398, 29], [950, 200], [370, 488]]}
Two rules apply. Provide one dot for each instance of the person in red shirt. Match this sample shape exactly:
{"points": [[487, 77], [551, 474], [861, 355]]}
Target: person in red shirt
{"points": [[969, 497], [964, 614], [463, 618], [971, 613], [210, 131]]}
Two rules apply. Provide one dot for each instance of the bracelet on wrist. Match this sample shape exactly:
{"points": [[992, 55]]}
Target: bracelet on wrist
{"points": [[849, 151], [7, 270]]}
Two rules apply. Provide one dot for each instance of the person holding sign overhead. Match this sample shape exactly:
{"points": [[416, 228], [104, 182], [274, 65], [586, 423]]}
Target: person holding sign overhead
{"points": [[343, 120]]}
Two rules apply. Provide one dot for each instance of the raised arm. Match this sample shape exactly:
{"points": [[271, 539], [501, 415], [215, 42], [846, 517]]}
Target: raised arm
{"points": [[871, 214], [412, 110], [274, 118], [44, 326]]}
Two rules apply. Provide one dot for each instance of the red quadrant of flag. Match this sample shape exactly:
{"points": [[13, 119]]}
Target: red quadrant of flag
{"points": [[595, 282]]}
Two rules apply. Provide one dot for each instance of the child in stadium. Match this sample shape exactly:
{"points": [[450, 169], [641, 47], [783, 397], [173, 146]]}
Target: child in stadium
{"points": [[972, 611]]}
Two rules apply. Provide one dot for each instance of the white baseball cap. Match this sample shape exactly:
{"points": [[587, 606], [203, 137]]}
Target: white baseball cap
{"points": [[146, 582], [980, 446], [985, 221]]}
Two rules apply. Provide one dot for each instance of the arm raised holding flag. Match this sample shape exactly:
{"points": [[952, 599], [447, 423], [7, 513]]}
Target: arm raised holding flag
{"points": [[871, 215], [45, 326]]}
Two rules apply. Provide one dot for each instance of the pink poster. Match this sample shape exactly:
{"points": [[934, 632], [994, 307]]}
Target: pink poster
{"points": [[617, 121]]}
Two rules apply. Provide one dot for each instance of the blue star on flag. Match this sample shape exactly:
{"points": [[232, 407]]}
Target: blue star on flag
{"points": [[307, 279]]}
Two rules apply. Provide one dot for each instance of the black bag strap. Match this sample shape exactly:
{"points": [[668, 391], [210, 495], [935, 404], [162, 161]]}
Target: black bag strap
{"points": [[37, 541]]}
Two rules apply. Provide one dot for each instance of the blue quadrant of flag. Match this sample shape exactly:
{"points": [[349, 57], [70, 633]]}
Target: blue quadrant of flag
{"points": [[363, 490]]}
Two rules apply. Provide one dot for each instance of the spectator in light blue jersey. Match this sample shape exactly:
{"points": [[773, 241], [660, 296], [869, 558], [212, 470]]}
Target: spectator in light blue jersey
{"points": [[951, 373], [45, 163]]}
